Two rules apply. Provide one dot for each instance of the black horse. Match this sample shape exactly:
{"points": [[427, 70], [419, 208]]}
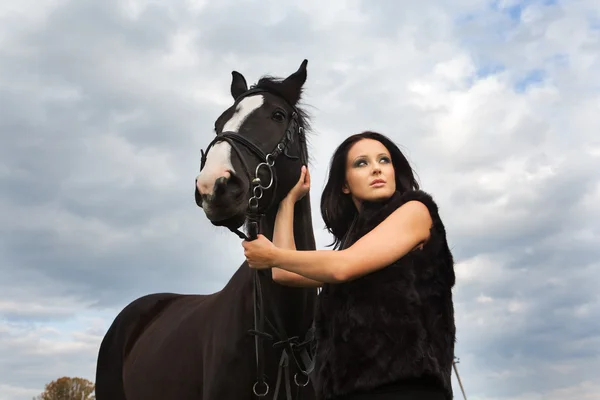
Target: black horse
{"points": [[250, 339]]}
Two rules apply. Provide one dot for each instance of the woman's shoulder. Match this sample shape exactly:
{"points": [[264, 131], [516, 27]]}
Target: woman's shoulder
{"points": [[374, 213], [426, 199], [422, 197], [398, 199]]}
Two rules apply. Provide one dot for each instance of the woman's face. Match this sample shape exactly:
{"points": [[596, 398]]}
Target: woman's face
{"points": [[369, 172]]}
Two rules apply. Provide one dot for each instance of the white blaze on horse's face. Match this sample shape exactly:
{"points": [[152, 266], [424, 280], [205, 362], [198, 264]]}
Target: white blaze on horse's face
{"points": [[218, 160]]}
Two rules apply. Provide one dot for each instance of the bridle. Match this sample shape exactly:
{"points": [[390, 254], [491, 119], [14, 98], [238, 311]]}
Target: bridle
{"points": [[254, 215], [267, 160]]}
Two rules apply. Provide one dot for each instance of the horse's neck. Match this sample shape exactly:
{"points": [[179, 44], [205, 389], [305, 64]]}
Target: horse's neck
{"points": [[303, 228], [292, 301], [304, 236]]}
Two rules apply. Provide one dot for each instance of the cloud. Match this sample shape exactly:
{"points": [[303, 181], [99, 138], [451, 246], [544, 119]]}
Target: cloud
{"points": [[104, 107], [36, 353]]}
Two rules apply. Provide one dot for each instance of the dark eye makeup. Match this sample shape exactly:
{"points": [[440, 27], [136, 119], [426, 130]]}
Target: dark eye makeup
{"points": [[362, 161]]}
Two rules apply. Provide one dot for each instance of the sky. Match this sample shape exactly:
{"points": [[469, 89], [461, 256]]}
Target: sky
{"points": [[105, 105]]}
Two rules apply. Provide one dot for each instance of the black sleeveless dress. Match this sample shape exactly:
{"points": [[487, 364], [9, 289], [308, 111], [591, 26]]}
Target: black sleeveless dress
{"points": [[409, 390], [389, 334]]}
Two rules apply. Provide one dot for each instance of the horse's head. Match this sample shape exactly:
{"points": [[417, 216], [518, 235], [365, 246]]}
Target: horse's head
{"points": [[260, 135]]}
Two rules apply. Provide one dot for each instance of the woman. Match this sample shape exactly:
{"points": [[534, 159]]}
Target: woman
{"points": [[385, 318]]}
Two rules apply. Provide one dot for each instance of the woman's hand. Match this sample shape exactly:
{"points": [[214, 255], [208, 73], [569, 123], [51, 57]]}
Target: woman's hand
{"points": [[301, 188], [260, 252]]}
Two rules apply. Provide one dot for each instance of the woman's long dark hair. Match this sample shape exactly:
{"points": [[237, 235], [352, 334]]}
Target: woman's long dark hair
{"points": [[337, 208]]}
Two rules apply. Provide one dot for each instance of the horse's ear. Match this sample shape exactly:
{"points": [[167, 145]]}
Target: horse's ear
{"points": [[238, 84], [293, 83]]}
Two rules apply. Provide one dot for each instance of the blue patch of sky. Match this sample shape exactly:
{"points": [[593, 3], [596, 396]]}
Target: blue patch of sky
{"points": [[514, 11], [480, 28], [486, 70], [559, 60], [483, 71], [500, 32], [531, 78], [594, 23]]}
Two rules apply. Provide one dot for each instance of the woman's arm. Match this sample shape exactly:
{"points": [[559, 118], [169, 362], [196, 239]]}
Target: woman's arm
{"points": [[283, 237], [404, 230]]}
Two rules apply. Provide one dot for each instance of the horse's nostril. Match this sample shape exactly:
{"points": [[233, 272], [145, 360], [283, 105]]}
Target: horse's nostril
{"points": [[220, 186], [235, 186]]}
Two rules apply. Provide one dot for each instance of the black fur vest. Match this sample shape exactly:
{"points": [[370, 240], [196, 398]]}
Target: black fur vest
{"points": [[394, 325]]}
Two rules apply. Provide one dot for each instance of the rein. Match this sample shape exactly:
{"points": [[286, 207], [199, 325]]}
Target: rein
{"points": [[254, 216]]}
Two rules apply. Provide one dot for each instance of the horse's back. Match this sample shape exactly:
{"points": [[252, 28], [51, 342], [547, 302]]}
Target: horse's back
{"points": [[187, 349], [119, 339]]}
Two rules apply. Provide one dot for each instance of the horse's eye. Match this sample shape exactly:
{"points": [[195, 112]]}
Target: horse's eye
{"points": [[279, 116]]}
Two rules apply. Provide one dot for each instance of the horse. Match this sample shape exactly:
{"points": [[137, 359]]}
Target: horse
{"points": [[252, 339]]}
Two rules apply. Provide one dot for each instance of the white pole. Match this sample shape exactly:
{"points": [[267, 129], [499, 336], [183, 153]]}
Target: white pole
{"points": [[456, 361]]}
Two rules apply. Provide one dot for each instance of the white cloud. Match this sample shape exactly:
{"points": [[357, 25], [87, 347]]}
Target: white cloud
{"points": [[35, 354]]}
